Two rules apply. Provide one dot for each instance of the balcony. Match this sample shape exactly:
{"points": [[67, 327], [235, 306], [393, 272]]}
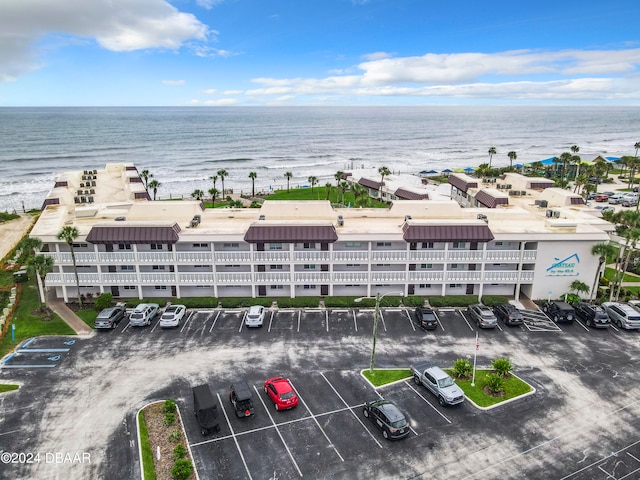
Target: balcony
{"points": [[271, 257], [464, 255], [231, 257], [272, 277], [350, 256], [389, 256], [311, 256], [426, 255], [312, 277], [383, 277], [200, 258], [156, 257], [426, 276], [196, 278], [234, 278], [350, 277]]}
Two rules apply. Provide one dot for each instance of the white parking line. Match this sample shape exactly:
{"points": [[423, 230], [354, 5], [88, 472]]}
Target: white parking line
{"points": [[355, 322], [406, 312], [278, 431], [499, 327], [611, 325], [184, 325], [215, 320], [326, 318], [580, 323], [155, 326], [465, 319], [351, 410], [439, 322], [614, 454], [126, 326], [384, 325], [299, 315], [242, 322], [270, 322], [318, 423], [427, 401], [234, 436]]}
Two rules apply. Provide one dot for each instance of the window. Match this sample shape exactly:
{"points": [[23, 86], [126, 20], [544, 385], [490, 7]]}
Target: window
{"points": [[127, 268], [455, 285], [275, 267], [425, 285], [309, 267], [200, 245], [231, 245], [353, 244], [232, 266], [499, 244], [351, 265], [201, 266], [276, 287], [459, 244], [383, 244], [309, 287], [129, 287], [203, 286], [454, 266], [383, 264], [124, 246], [158, 267], [427, 245], [160, 287], [80, 245], [156, 246], [275, 246], [309, 246], [426, 266]]}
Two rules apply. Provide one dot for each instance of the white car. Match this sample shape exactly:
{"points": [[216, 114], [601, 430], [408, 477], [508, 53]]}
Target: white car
{"points": [[255, 316], [143, 314], [172, 316]]}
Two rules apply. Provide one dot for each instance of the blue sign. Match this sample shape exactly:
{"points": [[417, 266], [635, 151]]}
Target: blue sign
{"points": [[565, 267]]}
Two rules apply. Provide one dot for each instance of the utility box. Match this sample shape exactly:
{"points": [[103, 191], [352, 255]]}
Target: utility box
{"points": [[205, 409], [20, 276]]}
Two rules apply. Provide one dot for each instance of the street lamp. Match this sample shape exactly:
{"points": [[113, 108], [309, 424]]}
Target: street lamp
{"points": [[376, 317]]}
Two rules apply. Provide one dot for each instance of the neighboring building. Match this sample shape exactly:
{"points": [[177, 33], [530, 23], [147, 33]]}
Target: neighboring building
{"points": [[132, 247]]}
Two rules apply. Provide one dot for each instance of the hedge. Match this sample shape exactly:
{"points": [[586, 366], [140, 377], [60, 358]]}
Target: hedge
{"points": [[298, 302], [240, 302], [366, 302], [453, 301], [491, 300], [413, 301]]}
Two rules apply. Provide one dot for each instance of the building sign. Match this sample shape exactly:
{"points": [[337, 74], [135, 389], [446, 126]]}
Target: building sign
{"points": [[565, 267]]}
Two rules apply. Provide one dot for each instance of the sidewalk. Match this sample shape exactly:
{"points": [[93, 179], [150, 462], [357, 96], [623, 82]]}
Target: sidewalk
{"points": [[65, 313]]}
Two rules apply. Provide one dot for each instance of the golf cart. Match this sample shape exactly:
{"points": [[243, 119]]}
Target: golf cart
{"points": [[205, 409]]}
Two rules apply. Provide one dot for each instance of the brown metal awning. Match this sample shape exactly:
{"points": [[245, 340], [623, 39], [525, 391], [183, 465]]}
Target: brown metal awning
{"points": [[291, 234], [462, 184], [365, 182], [488, 200], [409, 195], [447, 233], [112, 234]]}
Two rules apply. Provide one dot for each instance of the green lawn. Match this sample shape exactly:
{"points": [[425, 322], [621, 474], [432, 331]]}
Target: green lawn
{"points": [[29, 323], [513, 387], [88, 316], [381, 377], [147, 454], [609, 272], [8, 387], [6, 278], [319, 193]]}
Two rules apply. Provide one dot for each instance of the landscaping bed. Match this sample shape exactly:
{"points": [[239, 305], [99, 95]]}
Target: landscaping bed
{"points": [[161, 426], [478, 394]]}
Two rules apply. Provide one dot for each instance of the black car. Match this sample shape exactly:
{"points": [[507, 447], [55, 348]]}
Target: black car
{"points": [[241, 398], [388, 418], [426, 318], [559, 311], [593, 315], [508, 313]]}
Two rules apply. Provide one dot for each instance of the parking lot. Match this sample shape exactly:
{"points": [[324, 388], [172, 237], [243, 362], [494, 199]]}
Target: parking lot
{"points": [[582, 422]]}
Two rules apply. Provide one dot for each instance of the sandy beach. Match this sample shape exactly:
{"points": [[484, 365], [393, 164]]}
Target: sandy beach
{"points": [[12, 232]]}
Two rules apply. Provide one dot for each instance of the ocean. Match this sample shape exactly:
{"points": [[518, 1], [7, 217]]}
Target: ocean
{"points": [[183, 146]]}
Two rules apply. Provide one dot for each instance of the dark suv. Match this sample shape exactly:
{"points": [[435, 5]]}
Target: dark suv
{"points": [[426, 318], [559, 311], [110, 317], [388, 418], [241, 399], [482, 315], [508, 313], [593, 315]]}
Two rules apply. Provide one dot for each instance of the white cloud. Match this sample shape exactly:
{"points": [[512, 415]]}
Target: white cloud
{"points": [[174, 83], [209, 4], [207, 51], [209, 91], [521, 74], [117, 25]]}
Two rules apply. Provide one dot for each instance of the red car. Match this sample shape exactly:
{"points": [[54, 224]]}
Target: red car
{"points": [[602, 197], [281, 393]]}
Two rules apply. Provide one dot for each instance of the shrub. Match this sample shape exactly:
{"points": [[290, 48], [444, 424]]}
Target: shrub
{"points": [[413, 301], [502, 366], [169, 406], [175, 436], [453, 301], [169, 419], [182, 469], [133, 302], [298, 302], [240, 302], [179, 452], [491, 300], [495, 383], [462, 368], [104, 301], [195, 302]]}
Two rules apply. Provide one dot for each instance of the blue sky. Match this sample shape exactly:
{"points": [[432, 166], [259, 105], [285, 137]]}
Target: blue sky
{"points": [[309, 52]]}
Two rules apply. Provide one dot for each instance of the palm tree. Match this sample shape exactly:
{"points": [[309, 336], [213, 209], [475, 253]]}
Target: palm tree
{"points": [[214, 193], [29, 246], [383, 171], [41, 264], [214, 179], [313, 181], [339, 175], [575, 149], [633, 163], [361, 195], [556, 161], [537, 167], [492, 152], [197, 194], [637, 147], [579, 287], [512, 156], [145, 176], [344, 186], [288, 176], [153, 185], [252, 176], [602, 251], [627, 226], [565, 157], [69, 234], [482, 170], [328, 187], [222, 173]]}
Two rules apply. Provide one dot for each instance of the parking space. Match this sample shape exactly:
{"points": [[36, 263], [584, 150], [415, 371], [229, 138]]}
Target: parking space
{"points": [[314, 321], [40, 352], [284, 321], [619, 465], [343, 322]]}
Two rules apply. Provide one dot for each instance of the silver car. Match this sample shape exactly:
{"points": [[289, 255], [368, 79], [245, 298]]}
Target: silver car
{"points": [[622, 315], [482, 315], [143, 314]]}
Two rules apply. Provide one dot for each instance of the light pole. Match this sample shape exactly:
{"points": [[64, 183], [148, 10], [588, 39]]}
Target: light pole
{"points": [[376, 317]]}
